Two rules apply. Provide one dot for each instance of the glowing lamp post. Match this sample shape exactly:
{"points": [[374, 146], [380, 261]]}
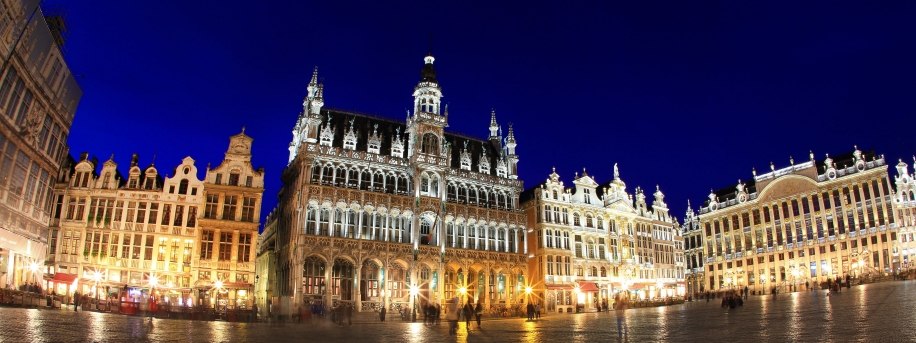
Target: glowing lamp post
{"points": [[153, 282], [463, 291], [414, 290], [97, 277]]}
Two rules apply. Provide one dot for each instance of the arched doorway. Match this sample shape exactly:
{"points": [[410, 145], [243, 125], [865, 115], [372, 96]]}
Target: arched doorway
{"points": [[342, 278]]}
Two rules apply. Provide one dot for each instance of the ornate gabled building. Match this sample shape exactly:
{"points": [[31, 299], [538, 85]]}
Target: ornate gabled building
{"points": [[590, 241], [177, 234], [373, 207], [808, 222], [905, 208], [693, 252]]}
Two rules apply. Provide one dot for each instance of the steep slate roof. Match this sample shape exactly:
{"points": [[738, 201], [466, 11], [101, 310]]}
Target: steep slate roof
{"points": [[364, 124]]}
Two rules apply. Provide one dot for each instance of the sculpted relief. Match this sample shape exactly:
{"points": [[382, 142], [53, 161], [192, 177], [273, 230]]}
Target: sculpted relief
{"points": [[787, 186]]}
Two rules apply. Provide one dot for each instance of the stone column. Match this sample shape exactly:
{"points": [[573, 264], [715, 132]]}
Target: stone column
{"points": [[329, 283], [357, 303]]}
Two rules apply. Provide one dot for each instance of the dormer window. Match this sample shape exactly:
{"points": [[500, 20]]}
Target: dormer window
{"points": [[350, 141], [133, 182], [554, 194], [501, 169], [81, 179], [327, 135], [150, 181], [106, 179], [465, 162], [233, 179], [373, 148], [588, 196]]}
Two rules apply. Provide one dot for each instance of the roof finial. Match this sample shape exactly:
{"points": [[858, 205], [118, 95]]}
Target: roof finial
{"points": [[555, 168], [243, 128], [811, 153], [791, 160], [754, 171]]}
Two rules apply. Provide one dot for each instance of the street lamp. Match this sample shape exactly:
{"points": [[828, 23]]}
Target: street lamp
{"points": [[97, 277], [414, 290], [153, 281]]}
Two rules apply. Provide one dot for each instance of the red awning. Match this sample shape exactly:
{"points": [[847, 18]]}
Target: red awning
{"points": [[62, 278], [236, 284], [585, 286]]}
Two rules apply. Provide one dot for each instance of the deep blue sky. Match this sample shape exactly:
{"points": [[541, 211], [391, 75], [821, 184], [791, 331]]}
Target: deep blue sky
{"points": [[687, 96]]}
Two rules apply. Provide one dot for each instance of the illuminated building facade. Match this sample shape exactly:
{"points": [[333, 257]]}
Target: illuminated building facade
{"points": [[808, 222], [590, 241], [192, 240], [38, 99], [378, 212]]}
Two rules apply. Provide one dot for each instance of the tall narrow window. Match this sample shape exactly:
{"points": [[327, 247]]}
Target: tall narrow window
{"points": [[229, 205], [192, 216], [212, 205], [244, 247], [248, 209], [233, 179], [225, 246], [206, 244], [183, 186], [179, 214]]}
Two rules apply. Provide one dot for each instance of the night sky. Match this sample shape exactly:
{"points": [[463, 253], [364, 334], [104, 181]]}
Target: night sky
{"points": [[686, 96]]}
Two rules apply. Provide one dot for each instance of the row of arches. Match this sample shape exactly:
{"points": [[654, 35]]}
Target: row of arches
{"points": [[363, 179], [398, 227], [375, 281], [479, 196]]}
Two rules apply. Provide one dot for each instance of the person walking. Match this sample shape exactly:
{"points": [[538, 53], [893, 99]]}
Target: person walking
{"points": [[452, 317], [349, 311], [76, 301], [537, 311], [478, 311], [620, 308], [530, 309], [468, 312], [381, 314]]}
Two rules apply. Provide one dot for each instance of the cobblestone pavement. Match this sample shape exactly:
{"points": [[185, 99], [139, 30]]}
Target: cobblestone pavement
{"points": [[874, 313]]}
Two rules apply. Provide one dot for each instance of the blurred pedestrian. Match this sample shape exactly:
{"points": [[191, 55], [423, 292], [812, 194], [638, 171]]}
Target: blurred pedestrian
{"points": [[478, 311], [620, 308], [381, 314], [452, 317], [349, 311]]}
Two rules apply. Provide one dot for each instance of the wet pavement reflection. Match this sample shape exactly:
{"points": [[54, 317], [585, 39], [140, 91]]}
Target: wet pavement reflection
{"points": [[876, 312]]}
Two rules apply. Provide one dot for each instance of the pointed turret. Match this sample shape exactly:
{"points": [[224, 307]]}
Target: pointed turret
{"points": [[313, 85], [494, 127], [427, 94], [512, 157]]}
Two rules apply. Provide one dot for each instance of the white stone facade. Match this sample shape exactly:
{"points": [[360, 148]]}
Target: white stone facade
{"points": [[590, 241], [372, 207]]}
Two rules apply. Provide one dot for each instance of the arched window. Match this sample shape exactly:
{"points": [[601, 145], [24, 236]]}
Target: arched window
{"points": [[183, 186], [365, 180], [338, 223], [576, 221], [430, 143], [316, 174], [324, 222], [462, 194], [594, 271], [389, 183], [554, 194], [353, 178], [588, 221], [313, 276], [340, 176], [424, 184], [434, 186], [451, 193], [378, 182], [603, 272], [403, 185], [425, 229], [600, 223], [327, 175]]}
